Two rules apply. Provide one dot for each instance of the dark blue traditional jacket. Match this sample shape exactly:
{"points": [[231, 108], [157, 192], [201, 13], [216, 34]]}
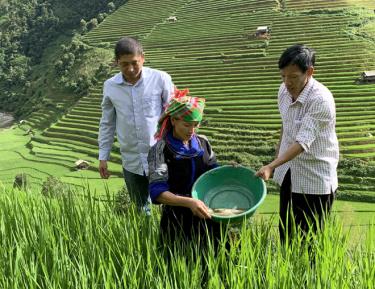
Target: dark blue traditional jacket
{"points": [[174, 167]]}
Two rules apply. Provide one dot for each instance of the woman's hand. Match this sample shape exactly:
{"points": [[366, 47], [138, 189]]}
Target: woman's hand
{"points": [[199, 209]]}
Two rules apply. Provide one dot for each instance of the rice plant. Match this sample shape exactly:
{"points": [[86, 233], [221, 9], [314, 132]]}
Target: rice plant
{"points": [[75, 242]]}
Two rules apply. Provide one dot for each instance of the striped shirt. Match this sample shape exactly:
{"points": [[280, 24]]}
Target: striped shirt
{"points": [[310, 121], [132, 112]]}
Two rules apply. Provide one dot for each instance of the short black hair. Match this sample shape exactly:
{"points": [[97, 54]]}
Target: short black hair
{"points": [[128, 45], [298, 54]]}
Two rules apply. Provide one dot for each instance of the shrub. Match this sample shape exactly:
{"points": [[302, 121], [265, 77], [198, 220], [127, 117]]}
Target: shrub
{"points": [[83, 26], [92, 24], [122, 201], [111, 7], [101, 17], [20, 182], [54, 187], [356, 167]]}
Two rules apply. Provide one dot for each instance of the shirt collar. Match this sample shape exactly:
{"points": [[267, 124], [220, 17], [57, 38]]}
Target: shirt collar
{"points": [[306, 90], [118, 79], [180, 150]]}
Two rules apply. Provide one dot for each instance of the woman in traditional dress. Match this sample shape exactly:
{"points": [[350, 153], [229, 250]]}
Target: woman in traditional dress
{"points": [[176, 161]]}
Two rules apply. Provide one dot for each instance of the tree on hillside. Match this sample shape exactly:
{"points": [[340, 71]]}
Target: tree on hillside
{"points": [[28, 27], [41, 30]]}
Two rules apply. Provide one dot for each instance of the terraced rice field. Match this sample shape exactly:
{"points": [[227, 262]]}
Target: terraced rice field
{"points": [[210, 50]]}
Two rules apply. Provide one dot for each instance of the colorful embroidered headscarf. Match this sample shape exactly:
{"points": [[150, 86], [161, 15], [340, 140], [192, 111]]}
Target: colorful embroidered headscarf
{"points": [[181, 106]]}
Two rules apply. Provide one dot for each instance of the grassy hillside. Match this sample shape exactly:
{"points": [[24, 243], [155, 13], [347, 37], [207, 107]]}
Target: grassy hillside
{"points": [[210, 49]]}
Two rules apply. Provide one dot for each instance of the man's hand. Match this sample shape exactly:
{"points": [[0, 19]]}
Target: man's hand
{"points": [[294, 150], [199, 209], [265, 172], [103, 170]]}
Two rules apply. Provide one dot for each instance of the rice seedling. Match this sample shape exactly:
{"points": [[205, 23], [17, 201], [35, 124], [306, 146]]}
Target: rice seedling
{"points": [[80, 242]]}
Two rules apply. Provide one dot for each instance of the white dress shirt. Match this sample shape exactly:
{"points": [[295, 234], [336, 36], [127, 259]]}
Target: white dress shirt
{"points": [[310, 121], [132, 112]]}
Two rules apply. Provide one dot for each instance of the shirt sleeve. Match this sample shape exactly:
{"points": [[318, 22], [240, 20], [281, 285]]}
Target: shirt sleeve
{"points": [[319, 115], [107, 127], [168, 90], [158, 171]]}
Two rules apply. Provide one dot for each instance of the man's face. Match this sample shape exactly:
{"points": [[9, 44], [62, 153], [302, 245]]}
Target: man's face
{"points": [[294, 79], [184, 130], [131, 66]]}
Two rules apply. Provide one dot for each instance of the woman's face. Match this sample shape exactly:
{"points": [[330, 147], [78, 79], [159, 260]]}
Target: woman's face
{"points": [[184, 130]]}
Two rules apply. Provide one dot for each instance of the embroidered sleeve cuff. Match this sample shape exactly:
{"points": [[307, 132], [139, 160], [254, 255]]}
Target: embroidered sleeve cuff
{"points": [[155, 189]]}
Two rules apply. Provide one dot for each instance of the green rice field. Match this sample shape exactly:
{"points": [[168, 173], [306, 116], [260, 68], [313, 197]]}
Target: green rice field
{"points": [[77, 241], [73, 242], [210, 50]]}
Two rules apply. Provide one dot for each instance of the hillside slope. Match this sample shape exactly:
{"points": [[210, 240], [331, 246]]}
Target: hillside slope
{"points": [[211, 50]]}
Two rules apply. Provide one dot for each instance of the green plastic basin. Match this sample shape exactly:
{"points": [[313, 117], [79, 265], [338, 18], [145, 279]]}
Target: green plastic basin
{"points": [[230, 187]]}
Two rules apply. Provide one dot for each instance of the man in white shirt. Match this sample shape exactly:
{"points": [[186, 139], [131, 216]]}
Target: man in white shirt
{"points": [[133, 101], [306, 160]]}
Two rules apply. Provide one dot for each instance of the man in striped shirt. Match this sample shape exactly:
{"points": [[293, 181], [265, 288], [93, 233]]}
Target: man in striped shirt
{"points": [[306, 160]]}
